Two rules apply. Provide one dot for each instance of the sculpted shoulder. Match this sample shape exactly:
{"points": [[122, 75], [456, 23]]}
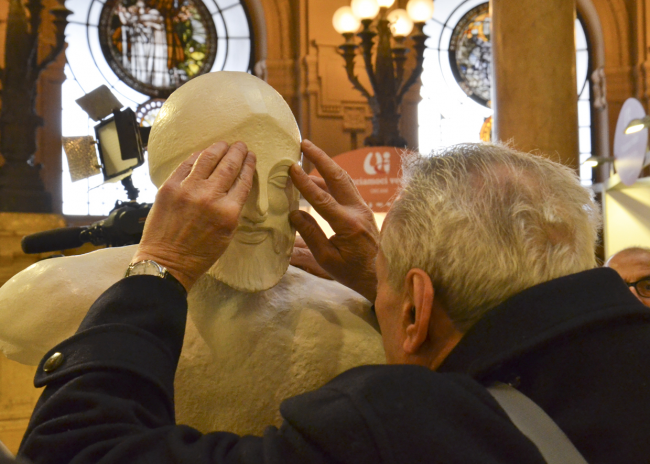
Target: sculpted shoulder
{"points": [[45, 303]]}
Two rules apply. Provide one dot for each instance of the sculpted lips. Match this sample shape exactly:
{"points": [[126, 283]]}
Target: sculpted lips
{"points": [[251, 235]]}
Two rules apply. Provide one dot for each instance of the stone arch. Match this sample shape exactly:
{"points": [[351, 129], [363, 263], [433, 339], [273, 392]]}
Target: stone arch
{"points": [[272, 22], [618, 61], [600, 121]]}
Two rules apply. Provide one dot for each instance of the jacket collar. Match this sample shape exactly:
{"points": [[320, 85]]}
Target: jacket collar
{"points": [[540, 314]]}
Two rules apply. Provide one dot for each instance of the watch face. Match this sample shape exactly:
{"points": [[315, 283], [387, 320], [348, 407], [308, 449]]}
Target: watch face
{"points": [[146, 268]]}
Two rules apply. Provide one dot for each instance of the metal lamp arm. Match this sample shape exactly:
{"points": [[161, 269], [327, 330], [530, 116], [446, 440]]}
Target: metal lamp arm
{"points": [[367, 37], [349, 53], [419, 38]]}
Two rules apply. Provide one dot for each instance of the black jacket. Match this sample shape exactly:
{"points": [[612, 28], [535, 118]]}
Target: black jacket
{"points": [[111, 400]]}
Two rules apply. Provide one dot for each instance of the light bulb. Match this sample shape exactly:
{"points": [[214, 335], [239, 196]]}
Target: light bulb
{"points": [[636, 127], [345, 21], [365, 9], [385, 3], [400, 23], [420, 11]]}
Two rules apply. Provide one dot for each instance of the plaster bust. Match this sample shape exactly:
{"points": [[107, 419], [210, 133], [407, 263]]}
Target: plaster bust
{"points": [[246, 348], [232, 106]]}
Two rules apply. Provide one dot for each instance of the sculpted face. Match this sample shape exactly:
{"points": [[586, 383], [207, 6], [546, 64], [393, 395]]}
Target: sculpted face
{"points": [[234, 106]]}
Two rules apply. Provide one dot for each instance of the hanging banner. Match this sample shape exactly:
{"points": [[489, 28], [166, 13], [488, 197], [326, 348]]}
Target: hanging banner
{"points": [[376, 173]]}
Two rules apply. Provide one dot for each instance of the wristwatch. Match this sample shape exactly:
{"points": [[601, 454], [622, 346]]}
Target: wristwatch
{"points": [[149, 267]]}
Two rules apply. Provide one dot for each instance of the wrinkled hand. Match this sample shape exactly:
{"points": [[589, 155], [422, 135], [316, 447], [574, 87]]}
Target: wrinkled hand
{"points": [[302, 257], [197, 210], [349, 255]]}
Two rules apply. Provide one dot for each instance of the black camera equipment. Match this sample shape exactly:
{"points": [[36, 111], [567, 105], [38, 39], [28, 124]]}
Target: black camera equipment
{"points": [[123, 226]]}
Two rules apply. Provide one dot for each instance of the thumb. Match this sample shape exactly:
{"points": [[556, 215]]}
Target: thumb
{"points": [[312, 234]]}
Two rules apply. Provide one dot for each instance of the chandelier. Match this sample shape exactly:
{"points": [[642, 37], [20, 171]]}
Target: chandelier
{"points": [[387, 73]]}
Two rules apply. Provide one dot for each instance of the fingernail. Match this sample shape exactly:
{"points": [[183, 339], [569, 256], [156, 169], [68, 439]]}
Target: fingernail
{"points": [[307, 142]]}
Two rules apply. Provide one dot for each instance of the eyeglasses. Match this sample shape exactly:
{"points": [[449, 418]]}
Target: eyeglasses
{"points": [[642, 286]]}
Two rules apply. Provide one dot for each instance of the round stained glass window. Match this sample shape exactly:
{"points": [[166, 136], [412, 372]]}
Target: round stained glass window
{"points": [[470, 54], [156, 46]]}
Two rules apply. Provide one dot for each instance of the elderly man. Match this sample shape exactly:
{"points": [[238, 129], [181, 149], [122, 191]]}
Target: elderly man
{"points": [[633, 265], [484, 274]]}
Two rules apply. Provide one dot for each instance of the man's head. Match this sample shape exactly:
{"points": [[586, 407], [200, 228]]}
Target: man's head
{"points": [[473, 226], [633, 265], [235, 106]]}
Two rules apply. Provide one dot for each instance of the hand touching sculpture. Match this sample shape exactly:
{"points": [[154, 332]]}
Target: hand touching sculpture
{"points": [[349, 255], [197, 210], [235, 106]]}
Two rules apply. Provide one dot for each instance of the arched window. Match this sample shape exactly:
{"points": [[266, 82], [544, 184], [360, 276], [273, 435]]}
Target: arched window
{"points": [[142, 50], [456, 105]]}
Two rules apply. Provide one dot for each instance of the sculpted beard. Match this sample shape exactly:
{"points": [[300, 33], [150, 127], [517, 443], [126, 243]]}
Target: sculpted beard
{"points": [[253, 268]]}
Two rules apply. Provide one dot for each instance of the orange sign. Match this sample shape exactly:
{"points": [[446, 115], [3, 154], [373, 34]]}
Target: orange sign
{"points": [[376, 173]]}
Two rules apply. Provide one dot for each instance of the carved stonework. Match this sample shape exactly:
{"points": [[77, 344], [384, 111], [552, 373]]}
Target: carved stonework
{"points": [[354, 119], [599, 89], [21, 188]]}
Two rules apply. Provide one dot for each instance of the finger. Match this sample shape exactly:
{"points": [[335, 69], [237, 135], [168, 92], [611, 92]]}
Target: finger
{"points": [[303, 259], [300, 242], [184, 169], [324, 203], [229, 167], [314, 237], [244, 182], [208, 160], [339, 182], [320, 182]]}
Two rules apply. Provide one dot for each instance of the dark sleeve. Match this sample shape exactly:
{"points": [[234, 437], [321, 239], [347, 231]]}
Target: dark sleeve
{"points": [[111, 399]]}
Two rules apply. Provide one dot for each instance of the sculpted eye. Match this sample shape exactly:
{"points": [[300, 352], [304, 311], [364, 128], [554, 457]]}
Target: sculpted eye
{"points": [[279, 180]]}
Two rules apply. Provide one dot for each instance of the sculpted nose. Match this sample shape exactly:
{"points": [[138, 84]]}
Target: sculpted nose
{"points": [[262, 203], [257, 207]]}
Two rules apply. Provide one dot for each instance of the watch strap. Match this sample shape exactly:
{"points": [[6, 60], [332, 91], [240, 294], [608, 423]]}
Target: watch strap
{"points": [[159, 271]]}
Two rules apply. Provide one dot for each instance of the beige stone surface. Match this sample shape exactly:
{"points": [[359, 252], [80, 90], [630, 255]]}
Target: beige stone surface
{"points": [[534, 87], [17, 393]]}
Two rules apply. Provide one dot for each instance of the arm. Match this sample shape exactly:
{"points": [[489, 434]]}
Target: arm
{"points": [[114, 387]]}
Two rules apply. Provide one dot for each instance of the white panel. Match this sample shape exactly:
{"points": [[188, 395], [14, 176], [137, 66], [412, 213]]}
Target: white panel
{"points": [[95, 13], [220, 60], [79, 10], [236, 22], [584, 113], [581, 39], [584, 137], [239, 52], [582, 66], [627, 219], [226, 3]]}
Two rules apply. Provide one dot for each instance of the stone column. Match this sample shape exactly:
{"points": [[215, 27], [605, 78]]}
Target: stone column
{"points": [[534, 76]]}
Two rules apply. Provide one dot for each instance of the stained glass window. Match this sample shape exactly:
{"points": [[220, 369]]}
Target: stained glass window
{"points": [[142, 50], [456, 105]]}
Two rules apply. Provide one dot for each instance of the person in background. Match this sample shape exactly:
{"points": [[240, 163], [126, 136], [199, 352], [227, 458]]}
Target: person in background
{"points": [[633, 265]]}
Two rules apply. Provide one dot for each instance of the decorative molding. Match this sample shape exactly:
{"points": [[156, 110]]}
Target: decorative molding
{"points": [[599, 89], [334, 91], [355, 118]]}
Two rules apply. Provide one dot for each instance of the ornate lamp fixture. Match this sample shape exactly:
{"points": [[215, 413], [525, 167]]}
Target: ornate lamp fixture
{"points": [[387, 76]]}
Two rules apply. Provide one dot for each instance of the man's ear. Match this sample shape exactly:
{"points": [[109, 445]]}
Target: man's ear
{"points": [[417, 309]]}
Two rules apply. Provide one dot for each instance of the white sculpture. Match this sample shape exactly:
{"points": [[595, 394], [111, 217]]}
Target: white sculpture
{"points": [[245, 350]]}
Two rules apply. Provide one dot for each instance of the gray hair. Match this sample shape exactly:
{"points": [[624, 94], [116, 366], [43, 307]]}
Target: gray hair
{"points": [[486, 222]]}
